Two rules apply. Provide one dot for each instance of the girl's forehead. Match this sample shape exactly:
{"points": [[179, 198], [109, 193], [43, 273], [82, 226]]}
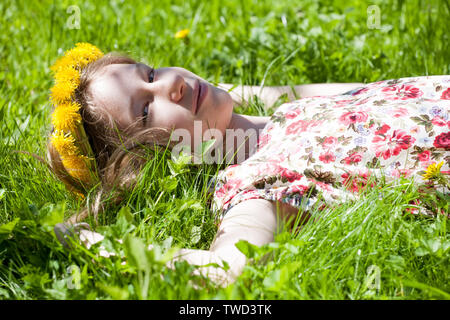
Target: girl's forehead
{"points": [[115, 70], [113, 89], [116, 80]]}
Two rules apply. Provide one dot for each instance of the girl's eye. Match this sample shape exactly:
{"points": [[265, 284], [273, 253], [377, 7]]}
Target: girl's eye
{"points": [[151, 78], [145, 114], [151, 75]]}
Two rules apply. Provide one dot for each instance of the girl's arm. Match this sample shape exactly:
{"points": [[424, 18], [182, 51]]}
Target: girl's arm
{"points": [[255, 221], [269, 95], [252, 220]]}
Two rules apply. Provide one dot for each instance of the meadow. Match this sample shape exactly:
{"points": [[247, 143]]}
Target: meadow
{"points": [[372, 248]]}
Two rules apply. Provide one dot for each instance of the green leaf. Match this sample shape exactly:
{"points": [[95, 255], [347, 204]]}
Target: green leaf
{"points": [[56, 215], [191, 204], [247, 248], [292, 248], [421, 252], [178, 163], [7, 228], [207, 145], [135, 250], [125, 213], [275, 280], [417, 120], [167, 244], [397, 262], [115, 292], [433, 244], [427, 288], [169, 183], [196, 234], [4, 293]]}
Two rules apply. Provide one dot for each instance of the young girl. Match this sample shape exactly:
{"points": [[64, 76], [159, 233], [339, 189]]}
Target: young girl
{"points": [[317, 150]]}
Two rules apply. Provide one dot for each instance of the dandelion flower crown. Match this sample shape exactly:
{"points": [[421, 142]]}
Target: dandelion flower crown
{"points": [[69, 137]]}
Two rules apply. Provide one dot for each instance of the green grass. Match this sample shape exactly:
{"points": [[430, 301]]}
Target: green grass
{"points": [[342, 255]]}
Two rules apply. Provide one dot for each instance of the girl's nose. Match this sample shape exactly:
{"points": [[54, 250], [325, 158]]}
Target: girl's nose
{"points": [[177, 88]]}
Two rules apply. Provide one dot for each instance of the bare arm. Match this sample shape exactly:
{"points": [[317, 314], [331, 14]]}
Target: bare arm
{"points": [[269, 95], [253, 220]]}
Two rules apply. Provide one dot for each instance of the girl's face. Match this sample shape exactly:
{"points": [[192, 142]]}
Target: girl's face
{"points": [[171, 98]]}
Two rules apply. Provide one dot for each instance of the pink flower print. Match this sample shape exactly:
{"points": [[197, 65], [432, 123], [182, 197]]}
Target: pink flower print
{"points": [[398, 112], [384, 128], [442, 141], [349, 118], [223, 191], [322, 185], [329, 142], [355, 182], [446, 94], [269, 169], [391, 145], [301, 126], [291, 175], [424, 156], [263, 140], [397, 173], [292, 114], [342, 103], [327, 157], [438, 121], [301, 189], [249, 194], [353, 158], [403, 92]]}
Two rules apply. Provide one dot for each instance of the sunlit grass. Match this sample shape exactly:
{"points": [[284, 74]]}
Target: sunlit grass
{"points": [[369, 249]]}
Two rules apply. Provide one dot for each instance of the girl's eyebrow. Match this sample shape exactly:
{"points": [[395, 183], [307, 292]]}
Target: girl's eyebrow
{"points": [[141, 70]]}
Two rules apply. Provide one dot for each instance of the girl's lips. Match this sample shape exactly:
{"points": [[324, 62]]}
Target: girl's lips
{"points": [[203, 91], [195, 97]]}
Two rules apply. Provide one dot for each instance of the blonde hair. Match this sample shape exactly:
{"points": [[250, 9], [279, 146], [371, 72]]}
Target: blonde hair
{"points": [[118, 167]]}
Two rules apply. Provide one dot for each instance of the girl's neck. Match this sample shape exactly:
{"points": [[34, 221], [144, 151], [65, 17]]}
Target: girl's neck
{"points": [[242, 121], [242, 135]]}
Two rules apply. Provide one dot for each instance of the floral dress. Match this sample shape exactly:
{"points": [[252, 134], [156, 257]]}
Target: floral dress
{"points": [[332, 145]]}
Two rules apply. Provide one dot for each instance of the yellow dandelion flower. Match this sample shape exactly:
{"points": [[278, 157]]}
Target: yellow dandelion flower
{"points": [[64, 144], [66, 116], [77, 57], [74, 162], [62, 92], [77, 167], [68, 74], [74, 147], [84, 53], [182, 34], [79, 195], [433, 171], [81, 174], [91, 51], [62, 62]]}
